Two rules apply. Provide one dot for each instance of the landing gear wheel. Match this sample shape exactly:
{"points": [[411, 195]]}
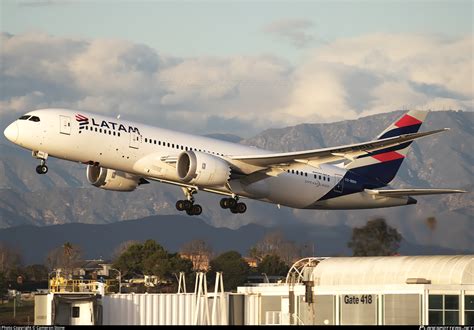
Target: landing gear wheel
{"points": [[196, 209], [180, 205], [187, 205], [234, 210], [42, 169], [228, 203], [223, 203], [241, 207]]}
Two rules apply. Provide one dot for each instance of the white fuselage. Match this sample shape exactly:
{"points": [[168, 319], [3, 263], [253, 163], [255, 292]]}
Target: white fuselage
{"points": [[144, 151]]}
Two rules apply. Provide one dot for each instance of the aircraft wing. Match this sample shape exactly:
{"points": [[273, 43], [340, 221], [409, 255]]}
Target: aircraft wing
{"points": [[411, 192], [326, 155]]}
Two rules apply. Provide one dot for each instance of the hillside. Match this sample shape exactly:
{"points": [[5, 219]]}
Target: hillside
{"points": [[100, 241]]}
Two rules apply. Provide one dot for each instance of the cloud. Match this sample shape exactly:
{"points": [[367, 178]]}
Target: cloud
{"points": [[243, 95], [291, 30], [378, 73]]}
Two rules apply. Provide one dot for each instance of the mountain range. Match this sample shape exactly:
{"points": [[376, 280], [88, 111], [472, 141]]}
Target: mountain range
{"points": [[63, 196], [173, 231]]}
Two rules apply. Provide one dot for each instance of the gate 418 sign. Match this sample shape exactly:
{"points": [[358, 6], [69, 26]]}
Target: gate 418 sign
{"points": [[355, 300]]}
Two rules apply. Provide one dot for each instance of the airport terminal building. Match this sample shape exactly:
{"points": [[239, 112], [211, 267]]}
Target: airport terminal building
{"points": [[370, 290], [401, 290]]}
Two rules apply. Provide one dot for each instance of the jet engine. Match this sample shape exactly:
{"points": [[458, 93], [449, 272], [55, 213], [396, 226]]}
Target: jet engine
{"points": [[108, 179], [199, 168]]}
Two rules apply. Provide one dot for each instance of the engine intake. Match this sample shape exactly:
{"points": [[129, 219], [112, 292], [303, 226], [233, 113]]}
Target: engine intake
{"points": [[108, 179], [202, 169]]}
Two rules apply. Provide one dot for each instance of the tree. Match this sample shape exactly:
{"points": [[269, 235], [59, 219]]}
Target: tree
{"points": [[65, 257], [274, 243], [199, 252], [122, 247], [150, 258], [376, 238], [235, 269], [272, 266], [36, 272], [10, 261], [3, 286]]}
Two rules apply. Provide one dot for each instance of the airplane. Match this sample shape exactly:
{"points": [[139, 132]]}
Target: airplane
{"points": [[122, 155]]}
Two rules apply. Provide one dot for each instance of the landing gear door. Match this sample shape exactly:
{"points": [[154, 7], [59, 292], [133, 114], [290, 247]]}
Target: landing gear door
{"points": [[135, 140], [339, 183], [65, 125]]}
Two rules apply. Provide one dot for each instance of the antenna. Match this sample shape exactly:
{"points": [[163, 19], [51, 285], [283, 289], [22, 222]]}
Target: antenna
{"points": [[118, 116]]}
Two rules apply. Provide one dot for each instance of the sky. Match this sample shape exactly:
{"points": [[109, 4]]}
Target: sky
{"points": [[236, 66]]}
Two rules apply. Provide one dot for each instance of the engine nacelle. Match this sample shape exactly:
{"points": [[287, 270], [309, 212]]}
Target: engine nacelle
{"points": [[202, 169], [111, 179]]}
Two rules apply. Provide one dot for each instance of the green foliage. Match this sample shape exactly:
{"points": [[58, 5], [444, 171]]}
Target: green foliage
{"points": [[376, 238], [35, 272], [272, 265], [3, 285], [150, 258], [235, 269]]}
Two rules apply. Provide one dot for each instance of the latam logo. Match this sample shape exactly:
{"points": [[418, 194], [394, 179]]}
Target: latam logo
{"points": [[84, 121]]}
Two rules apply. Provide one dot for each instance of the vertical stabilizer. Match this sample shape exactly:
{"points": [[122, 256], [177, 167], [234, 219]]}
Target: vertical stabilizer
{"points": [[382, 165]]}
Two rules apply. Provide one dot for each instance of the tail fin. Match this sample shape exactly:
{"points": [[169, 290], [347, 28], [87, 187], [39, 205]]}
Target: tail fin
{"points": [[382, 165]]}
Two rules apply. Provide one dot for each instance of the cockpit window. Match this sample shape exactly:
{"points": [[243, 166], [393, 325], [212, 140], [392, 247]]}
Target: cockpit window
{"points": [[34, 118], [25, 117]]}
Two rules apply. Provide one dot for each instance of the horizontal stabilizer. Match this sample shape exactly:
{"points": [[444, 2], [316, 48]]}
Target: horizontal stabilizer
{"points": [[412, 192]]}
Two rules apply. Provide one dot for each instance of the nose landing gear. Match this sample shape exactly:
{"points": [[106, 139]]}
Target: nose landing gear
{"points": [[42, 156]]}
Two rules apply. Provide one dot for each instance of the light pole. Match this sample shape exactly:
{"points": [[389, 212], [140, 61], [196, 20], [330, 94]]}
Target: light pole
{"points": [[119, 278]]}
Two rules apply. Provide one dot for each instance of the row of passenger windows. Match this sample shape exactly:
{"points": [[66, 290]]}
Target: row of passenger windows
{"points": [[31, 118], [180, 147], [100, 130], [316, 176]]}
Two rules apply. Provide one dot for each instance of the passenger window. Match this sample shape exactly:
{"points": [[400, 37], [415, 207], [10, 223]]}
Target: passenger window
{"points": [[146, 140], [100, 130], [305, 174], [168, 144], [114, 133], [118, 133], [320, 177], [75, 312], [96, 129], [87, 128]]}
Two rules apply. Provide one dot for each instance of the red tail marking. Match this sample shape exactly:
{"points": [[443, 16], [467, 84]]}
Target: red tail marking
{"points": [[407, 121], [388, 156]]}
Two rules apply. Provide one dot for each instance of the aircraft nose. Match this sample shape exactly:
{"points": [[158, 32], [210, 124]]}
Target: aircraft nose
{"points": [[11, 132]]}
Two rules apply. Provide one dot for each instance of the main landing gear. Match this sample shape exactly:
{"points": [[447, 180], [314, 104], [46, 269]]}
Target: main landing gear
{"points": [[188, 204], [233, 205], [42, 156]]}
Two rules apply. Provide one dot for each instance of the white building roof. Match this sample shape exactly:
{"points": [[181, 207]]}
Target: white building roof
{"points": [[457, 269]]}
